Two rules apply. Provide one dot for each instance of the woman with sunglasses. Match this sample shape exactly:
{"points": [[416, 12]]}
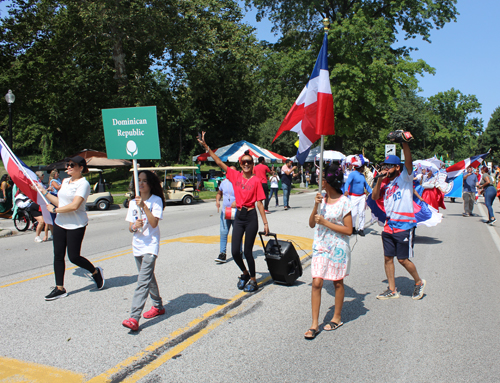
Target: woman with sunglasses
{"points": [[247, 191], [70, 224]]}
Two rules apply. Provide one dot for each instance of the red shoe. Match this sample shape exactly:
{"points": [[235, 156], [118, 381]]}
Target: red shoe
{"points": [[154, 312], [131, 324]]}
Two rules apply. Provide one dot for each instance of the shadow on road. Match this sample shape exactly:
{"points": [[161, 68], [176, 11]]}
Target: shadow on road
{"points": [[353, 307], [181, 304], [422, 239]]}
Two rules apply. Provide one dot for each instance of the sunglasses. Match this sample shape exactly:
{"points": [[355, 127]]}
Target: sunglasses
{"points": [[247, 162], [388, 166], [70, 165]]}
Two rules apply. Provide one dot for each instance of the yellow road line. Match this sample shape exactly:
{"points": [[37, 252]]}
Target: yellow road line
{"points": [[105, 377], [205, 239], [12, 370]]}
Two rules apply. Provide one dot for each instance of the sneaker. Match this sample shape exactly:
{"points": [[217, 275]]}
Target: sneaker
{"points": [[38, 239], [221, 258], [251, 287], [99, 278], [388, 294], [56, 294], [418, 291], [361, 233], [131, 324], [354, 231], [277, 205], [154, 312], [242, 281], [493, 221], [488, 221], [267, 211], [51, 237], [466, 214]]}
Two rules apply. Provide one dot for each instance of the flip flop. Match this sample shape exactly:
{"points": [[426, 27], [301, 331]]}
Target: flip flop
{"points": [[314, 333], [333, 326]]}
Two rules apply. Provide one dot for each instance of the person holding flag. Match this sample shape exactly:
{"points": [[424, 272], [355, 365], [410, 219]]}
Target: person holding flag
{"points": [[70, 224]]}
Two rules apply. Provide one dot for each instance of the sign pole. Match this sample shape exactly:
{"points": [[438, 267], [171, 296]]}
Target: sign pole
{"points": [[136, 184]]}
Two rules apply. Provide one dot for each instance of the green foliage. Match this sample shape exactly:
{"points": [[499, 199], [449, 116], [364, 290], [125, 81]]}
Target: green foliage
{"points": [[490, 139]]}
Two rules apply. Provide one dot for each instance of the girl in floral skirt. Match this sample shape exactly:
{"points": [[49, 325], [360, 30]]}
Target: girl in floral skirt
{"points": [[331, 216]]}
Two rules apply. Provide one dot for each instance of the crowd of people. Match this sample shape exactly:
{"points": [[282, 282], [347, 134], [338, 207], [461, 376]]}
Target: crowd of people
{"points": [[395, 188]]}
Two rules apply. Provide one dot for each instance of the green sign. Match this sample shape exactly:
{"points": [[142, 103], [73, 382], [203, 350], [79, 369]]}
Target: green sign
{"points": [[131, 133]]}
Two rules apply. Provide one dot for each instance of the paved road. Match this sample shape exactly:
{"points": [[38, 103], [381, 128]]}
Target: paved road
{"points": [[214, 333]]}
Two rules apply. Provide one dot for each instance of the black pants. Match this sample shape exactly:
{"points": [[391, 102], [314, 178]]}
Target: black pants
{"points": [[71, 240], [245, 222], [266, 192]]}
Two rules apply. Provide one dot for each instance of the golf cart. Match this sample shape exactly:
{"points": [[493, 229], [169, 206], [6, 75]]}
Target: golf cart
{"points": [[99, 198], [177, 187]]}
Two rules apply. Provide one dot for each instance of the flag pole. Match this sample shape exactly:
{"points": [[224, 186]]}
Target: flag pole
{"points": [[326, 27], [20, 166], [320, 184]]}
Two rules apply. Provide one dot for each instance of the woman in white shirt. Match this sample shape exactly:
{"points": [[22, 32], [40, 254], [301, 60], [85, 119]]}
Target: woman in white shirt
{"points": [[70, 224], [275, 180]]}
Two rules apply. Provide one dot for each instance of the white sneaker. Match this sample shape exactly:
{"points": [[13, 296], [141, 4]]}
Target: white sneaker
{"points": [[38, 239]]}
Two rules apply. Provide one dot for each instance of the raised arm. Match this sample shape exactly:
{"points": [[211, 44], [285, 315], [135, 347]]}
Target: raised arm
{"points": [[211, 153], [408, 160]]}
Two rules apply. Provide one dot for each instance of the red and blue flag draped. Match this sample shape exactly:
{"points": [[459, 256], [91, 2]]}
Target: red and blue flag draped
{"points": [[311, 116], [20, 174]]}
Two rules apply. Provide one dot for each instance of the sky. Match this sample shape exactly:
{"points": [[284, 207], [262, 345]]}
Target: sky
{"points": [[464, 53]]}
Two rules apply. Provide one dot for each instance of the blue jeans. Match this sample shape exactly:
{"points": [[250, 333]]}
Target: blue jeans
{"points": [[489, 196], [275, 192], [225, 225], [286, 194]]}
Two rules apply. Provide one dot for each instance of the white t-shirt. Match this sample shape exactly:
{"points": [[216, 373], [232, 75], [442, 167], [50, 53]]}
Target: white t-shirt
{"points": [[78, 218], [147, 242], [275, 182]]}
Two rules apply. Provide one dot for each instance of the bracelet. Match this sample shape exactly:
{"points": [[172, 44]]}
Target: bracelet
{"points": [[46, 192], [207, 149], [266, 224], [134, 229]]}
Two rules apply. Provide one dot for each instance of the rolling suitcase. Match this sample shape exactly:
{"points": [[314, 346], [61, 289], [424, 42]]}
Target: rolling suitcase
{"points": [[282, 260]]}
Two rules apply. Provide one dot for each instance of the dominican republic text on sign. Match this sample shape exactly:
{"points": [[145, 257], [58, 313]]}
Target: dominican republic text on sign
{"points": [[131, 133]]}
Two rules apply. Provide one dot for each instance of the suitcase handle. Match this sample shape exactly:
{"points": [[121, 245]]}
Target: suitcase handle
{"points": [[261, 233]]}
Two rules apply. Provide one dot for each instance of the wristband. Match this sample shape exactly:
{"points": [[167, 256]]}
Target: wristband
{"points": [[46, 192]]}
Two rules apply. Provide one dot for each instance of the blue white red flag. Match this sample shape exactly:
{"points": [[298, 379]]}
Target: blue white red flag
{"points": [[22, 175], [311, 116], [458, 168]]}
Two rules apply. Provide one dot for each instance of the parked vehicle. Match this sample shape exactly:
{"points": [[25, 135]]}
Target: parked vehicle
{"points": [[99, 198], [177, 186]]}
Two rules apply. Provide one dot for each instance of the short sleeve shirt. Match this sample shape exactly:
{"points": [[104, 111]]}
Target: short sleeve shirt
{"points": [[147, 242], [470, 183], [398, 202], [246, 192], [286, 178], [74, 219], [226, 187], [261, 171]]}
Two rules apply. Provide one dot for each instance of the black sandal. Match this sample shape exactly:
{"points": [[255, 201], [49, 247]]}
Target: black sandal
{"points": [[314, 333]]}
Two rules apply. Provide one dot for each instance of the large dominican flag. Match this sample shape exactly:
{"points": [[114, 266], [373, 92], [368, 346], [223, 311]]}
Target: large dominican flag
{"points": [[458, 168], [311, 116], [21, 174]]}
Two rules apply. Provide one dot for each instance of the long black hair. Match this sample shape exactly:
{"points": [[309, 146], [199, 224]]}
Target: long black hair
{"points": [[154, 184], [335, 177]]}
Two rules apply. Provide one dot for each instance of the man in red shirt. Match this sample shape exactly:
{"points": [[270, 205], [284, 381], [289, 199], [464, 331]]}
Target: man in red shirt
{"points": [[261, 171]]}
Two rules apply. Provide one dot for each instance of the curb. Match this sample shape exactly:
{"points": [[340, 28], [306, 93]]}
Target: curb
{"points": [[5, 233]]}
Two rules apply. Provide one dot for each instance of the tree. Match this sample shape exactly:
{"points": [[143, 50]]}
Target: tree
{"points": [[367, 71], [490, 139], [452, 126]]}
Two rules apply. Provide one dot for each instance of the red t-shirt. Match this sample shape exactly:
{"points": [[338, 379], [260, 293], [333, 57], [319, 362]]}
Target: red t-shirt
{"points": [[261, 171], [246, 192]]}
